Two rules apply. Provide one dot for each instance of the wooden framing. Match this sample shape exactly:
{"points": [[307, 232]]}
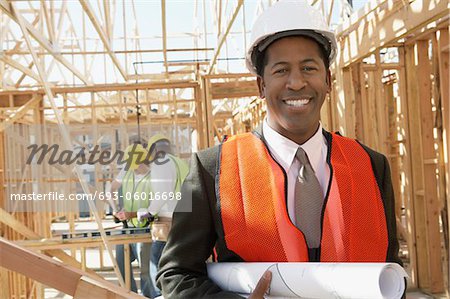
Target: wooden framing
{"points": [[361, 35], [7, 8], [103, 36], [223, 37], [430, 195], [399, 107], [67, 279]]}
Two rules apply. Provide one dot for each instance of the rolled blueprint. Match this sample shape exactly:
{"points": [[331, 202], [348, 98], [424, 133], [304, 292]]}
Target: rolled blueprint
{"points": [[313, 280]]}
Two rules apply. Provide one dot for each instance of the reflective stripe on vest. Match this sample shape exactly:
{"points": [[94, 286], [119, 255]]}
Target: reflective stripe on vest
{"points": [[254, 215], [135, 196]]}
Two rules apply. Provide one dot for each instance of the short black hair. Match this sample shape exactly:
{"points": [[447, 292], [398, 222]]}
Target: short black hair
{"points": [[261, 58]]}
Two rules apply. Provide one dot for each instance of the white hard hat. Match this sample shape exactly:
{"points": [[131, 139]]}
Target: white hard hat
{"points": [[287, 18]]}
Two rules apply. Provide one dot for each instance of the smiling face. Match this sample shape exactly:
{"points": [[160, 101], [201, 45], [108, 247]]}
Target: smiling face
{"points": [[294, 84]]}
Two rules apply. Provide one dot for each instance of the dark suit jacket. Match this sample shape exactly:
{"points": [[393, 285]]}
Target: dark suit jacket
{"points": [[193, 236]]}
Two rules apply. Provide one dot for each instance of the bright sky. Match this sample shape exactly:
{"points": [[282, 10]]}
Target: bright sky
{"points": [[182, 27]]}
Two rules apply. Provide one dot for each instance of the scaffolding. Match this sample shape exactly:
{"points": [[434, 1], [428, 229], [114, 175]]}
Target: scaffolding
{"points": [[91, 69]]}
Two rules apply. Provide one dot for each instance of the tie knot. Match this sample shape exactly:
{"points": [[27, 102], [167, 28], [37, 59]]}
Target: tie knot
{"points": [[301, 156]]}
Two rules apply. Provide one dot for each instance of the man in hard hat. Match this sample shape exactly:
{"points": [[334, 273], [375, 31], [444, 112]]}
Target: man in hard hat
{"points": [[290, 191]]}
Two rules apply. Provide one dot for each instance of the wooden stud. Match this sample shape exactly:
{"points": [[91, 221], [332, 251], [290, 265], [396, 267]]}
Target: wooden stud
{"points": [[127, 265], [358, 98], [349, 103], [443, 56], [416, 162], [381, 107], [406, 168], [67, 279], [431, 196], [364, 34]]}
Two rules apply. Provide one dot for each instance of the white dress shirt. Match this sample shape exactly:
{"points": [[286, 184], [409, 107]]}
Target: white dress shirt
{"points": [[283, 150]]}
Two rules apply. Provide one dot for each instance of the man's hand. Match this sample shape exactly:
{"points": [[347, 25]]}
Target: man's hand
{"points": [[262, 286], [123, 215]]}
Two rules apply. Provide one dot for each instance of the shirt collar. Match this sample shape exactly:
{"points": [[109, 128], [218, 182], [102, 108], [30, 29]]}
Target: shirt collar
{"points": [[283, 149]]}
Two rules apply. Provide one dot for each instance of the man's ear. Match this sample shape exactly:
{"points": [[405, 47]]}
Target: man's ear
{"points": [[261, 86], [328, 79]]}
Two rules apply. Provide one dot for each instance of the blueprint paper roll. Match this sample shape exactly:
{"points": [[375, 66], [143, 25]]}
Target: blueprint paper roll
{"points": [[313, 280]]}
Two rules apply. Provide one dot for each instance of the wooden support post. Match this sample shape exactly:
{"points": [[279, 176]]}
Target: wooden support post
{"points": [[20, 228], [349, 111], [439, 124], [358, 85], [325, 112], [372, 128], [416, 162], [127, 265], [198, 94], [64, 278], [381, 107], [443, 55], [407, 160], [5, 283], [83, 258], [339, 100], [100, 256], [394, 153], [208, 114], [429, 153]]}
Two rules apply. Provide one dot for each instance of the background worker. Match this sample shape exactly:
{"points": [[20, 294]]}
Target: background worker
{"points": [[290, 191], [167, 173], [135, 184]]}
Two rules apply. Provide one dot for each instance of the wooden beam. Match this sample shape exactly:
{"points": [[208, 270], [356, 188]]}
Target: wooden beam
{"points": [[224, 37], [107, 9], [44, 42], [15, 64], [349, 100], [429, 152], [234, 89], [67, 143], [414, 146], [35, 100], [108, 87], [209, 117], [19, 81], [138, 51], [444, 63], [64, 278], [444, 77], [379, 24], [408, 185], [381, 106], [48, 21], [8, 220], [164, 34], [357, 92], [106, 43]]}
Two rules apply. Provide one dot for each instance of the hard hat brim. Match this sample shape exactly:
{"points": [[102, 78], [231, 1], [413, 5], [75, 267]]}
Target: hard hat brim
{"points": [[322, 40]]}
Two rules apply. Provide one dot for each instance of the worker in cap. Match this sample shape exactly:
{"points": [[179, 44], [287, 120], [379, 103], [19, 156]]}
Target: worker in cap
{"points": [[167, 173], [134, 184], [290, 191]]}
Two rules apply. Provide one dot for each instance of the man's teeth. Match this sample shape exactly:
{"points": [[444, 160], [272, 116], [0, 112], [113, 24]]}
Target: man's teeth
{"points": [[297, 103]]}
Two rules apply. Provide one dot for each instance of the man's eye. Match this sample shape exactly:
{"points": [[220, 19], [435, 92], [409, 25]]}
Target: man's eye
{"points": [[280, 71], [309, 68]]}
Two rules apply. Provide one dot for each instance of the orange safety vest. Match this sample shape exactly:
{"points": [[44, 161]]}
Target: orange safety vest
{"points": [[257, 227]]}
